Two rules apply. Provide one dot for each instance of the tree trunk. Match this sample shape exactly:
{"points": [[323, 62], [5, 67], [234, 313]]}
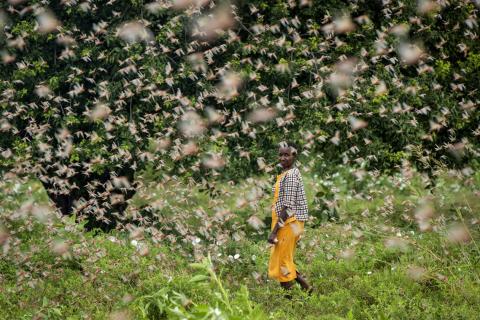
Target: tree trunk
{"points": [[98, 210]]}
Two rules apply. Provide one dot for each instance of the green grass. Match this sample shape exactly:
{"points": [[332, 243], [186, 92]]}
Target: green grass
{"points": [[373, 263]]}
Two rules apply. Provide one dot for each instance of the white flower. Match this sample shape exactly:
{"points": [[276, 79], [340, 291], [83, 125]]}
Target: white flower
{"points": [[135, 243]]}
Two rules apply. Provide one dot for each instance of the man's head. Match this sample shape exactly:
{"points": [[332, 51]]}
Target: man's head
{"points": [[287, 153]]}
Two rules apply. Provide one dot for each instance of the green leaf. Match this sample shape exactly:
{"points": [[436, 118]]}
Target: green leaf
{"points": [[199, 278]]}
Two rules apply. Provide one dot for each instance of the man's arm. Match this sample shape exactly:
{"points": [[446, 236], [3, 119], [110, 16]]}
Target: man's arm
{"points": [[282, 217], [285, 201]]}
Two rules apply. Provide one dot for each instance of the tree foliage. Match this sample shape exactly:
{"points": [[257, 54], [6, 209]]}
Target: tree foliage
{"points": [[94, 91]]}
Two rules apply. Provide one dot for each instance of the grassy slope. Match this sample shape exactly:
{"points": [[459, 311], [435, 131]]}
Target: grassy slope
{"points": [[355, 275]]}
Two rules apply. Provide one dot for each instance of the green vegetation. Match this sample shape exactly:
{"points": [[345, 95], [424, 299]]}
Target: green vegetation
{"points": [[354, 82], [138, 146], [373, 263]]}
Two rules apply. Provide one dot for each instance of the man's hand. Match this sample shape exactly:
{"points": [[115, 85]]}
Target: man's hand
{"points": [[272, 238], [283, 214]]}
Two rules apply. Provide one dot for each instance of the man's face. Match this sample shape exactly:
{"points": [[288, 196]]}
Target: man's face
{"points": [[286, 157]]}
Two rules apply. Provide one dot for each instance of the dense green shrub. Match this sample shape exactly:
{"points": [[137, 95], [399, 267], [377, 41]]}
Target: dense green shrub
{"points": [[54, 80]]}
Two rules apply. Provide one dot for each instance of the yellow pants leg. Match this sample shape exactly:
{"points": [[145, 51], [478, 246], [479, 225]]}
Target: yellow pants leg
{"points": [[281, 266]]}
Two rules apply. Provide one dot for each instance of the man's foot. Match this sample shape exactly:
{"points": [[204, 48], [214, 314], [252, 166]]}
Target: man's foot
{"points": [[287, 286], [303, 283]]}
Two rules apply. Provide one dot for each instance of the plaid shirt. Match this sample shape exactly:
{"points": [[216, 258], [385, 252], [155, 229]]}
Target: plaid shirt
{"points": [[292, 195]]}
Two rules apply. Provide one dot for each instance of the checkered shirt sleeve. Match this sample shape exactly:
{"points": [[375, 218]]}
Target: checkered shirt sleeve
{"points": [[292, 195]]}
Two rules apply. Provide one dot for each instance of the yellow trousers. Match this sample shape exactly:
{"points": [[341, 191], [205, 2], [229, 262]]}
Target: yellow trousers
{"points": [[281, 266]]}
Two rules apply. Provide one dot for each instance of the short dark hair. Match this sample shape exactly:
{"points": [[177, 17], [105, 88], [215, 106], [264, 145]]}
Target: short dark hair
{"points": [[289, 144]]}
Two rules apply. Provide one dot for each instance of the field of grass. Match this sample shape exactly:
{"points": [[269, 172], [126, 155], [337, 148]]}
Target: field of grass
{"points": [[400, 249]]}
